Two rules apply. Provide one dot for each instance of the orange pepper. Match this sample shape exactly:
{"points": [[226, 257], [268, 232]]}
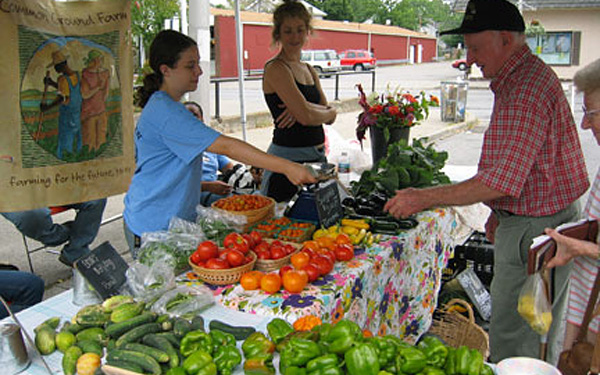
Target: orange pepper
{"points": [[306, 323]]}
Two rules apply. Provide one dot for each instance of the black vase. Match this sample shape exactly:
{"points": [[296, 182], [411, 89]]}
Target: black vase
{"points": [[379, 146]]}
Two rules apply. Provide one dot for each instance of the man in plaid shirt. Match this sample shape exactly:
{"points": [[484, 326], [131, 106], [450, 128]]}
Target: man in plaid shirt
{"points": [[531, 171]]}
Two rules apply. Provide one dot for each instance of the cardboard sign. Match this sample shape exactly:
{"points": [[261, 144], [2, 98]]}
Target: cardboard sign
{"points": [[104, 269], [328, 202]]}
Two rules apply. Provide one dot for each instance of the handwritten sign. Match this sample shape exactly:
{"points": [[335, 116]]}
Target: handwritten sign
{"points": [[329, 206], [104, 269]]}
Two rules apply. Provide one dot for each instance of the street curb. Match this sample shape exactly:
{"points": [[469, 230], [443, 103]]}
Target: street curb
{"points": [[453, 129]]}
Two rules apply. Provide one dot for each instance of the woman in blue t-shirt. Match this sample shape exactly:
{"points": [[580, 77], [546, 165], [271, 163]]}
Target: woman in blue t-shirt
{"points": [[169, 142], [295, 99]]}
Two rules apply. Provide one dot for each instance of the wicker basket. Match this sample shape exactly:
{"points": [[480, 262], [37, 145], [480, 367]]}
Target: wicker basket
{"points": [[457, 330], [225, 276], [268, 265], [252, 216]]}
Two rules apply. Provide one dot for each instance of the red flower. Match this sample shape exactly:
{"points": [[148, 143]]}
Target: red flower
{"points": [[394, 110]]}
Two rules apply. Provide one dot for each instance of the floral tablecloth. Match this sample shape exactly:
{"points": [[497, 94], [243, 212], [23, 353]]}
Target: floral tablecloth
{"points": [[388, 288]]}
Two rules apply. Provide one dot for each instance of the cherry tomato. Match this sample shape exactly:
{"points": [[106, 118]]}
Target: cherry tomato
{"points": [[207, 250]]}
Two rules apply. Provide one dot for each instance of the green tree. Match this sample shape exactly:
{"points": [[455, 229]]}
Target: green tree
{"points": [[148, 18]]}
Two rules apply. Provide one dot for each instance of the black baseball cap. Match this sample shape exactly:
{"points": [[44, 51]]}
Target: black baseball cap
{"points": [[482, 15]]}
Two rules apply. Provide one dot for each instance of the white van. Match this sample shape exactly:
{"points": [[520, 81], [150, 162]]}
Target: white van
{"points": [[323, 60]]}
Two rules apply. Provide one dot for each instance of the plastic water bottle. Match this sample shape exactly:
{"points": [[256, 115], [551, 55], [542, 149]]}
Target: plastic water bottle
{"points": [[344, 169]]}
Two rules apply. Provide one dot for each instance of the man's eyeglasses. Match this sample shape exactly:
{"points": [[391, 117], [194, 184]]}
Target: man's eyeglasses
{"points": [[589, 113]]}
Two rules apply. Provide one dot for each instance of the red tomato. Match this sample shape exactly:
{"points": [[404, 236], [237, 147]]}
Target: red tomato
{"points": [[195, 258], [324, 264], [207, 250], [263, 254], [261, 246], [233, 238], [289, 248], [312, 271], [249, 240], [311, 253], [248, 259], [241, 247], [276, 243], [256, 237], [344, 252], [235, 258], [283, 270], [277, 252], [328, 254], [217, 264], [223, 253]]}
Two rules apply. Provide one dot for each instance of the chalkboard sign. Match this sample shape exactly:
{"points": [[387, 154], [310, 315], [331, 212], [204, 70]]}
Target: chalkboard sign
{"points": [[328, 202], [104, 269]]}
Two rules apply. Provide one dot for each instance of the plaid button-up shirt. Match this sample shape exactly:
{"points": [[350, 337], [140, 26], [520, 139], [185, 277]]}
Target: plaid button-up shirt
{"points": [[531, 149]]}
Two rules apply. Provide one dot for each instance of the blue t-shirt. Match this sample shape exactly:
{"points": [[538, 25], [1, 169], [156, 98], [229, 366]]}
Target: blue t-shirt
{"points": [[212, 164], [169, 142]]}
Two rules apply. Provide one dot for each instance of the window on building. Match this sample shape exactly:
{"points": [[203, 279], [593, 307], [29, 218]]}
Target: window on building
{"points": [[556, 48]]}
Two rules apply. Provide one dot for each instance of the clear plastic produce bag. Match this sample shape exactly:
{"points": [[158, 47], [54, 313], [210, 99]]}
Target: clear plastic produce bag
{"points": [[179, 225], [184, 299], [155, 245], [216, 224], [147, 282], [534, 306]]}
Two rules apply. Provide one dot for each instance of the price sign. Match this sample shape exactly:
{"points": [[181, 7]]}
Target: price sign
{"points": [[104, 269], [329, 206]]}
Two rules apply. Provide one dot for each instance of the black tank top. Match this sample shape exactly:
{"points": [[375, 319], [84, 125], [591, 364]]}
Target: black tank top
{"points": [[297, 135]]}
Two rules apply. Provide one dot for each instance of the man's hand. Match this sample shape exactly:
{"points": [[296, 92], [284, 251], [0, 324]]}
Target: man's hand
{"points": [[216, 187], [406, 202], [490, 227]]}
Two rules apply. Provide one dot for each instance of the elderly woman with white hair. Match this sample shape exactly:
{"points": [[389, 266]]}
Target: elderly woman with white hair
{"points": [[585, 254]]}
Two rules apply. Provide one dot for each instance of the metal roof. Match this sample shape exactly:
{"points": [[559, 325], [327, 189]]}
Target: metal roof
{"points": [[530, 5]]}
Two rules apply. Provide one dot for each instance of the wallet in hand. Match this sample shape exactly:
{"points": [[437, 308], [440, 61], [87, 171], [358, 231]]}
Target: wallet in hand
{"points": [[544, 247]]}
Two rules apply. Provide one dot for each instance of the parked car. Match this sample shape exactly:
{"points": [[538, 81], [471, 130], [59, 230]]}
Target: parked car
{"points": [[460, 64], [323, 60], [357, 59]]}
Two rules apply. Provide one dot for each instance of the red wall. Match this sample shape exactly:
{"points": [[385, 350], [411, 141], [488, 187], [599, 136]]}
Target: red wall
{"points": [[257, 43]]}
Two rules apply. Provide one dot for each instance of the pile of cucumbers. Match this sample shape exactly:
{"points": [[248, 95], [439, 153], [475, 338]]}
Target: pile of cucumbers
{"points": [[127, 335]]}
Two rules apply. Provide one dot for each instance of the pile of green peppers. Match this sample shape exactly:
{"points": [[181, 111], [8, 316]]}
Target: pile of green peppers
{"points": [[258, 353], [209, 353], [341, 349]]}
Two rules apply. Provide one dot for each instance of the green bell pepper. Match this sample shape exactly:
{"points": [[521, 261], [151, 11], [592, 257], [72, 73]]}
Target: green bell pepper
{"points": [[342, 336], [324, 365], [322, 330], [486, 370], [257, 344], [475, 362], [463, 360], [298, 352], [196, 340], [261, 364], [410, 360], [386, 350], [278, 329], [435, 351], [178, 370], [309, 335], [362, 360], [430, 370], [382, 372], [227, 358], [200, 363], [221, 338], [295, 370], [450, 366]]}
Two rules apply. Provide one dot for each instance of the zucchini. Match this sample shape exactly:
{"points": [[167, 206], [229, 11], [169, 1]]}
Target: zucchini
{"points": [[146, 362], [90, 346], [117, 329], [137, 333], [155, 353], [93, 333], [163, 344], [126, 365], [240, 333]]}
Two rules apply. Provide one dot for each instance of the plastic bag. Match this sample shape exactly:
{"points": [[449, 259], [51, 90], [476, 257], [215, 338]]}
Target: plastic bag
{"points": [[147, 282], [179, 225], [184, 299], [155, 245], [534, 306], [217, 224]]}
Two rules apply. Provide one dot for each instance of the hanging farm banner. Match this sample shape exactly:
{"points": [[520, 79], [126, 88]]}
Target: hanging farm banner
{"points": [[65, 102]]}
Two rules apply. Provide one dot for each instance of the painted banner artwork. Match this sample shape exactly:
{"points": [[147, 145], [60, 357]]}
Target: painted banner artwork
{"points": [[66, 102]]}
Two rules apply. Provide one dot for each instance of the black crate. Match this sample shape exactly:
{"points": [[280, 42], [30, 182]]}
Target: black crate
{"points": [[475, 252]]}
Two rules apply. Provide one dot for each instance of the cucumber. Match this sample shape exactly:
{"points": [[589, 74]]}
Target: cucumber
{"points": [[74, 328], [93, 333], [146, 362], [137, 333], [125, 365], [126, 311], [173, 340], [181, 327], [197, 323], [117, 329], [45, 340], [51, 323], [90, 346], [240, 333], [69, 360], [155, 353], [162, 343]]}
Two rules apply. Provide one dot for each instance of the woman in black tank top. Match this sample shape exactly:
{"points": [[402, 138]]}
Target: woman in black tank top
{"points": [[295, 99]]}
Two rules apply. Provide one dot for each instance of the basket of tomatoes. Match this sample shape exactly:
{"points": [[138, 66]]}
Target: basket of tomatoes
{"points": [[274, 254], [254, 207], [222, 266]]}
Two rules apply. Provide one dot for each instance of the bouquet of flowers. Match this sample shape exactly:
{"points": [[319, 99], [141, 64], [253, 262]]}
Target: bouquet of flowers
{"points": [[392, 109]]}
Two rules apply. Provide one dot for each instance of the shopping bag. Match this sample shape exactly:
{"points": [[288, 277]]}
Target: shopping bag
{"points": [[534, 306]]}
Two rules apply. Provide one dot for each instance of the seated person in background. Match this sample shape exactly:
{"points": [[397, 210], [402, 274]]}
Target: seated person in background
{"points": [[213, 189], [77, 234], [19, 289]]}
